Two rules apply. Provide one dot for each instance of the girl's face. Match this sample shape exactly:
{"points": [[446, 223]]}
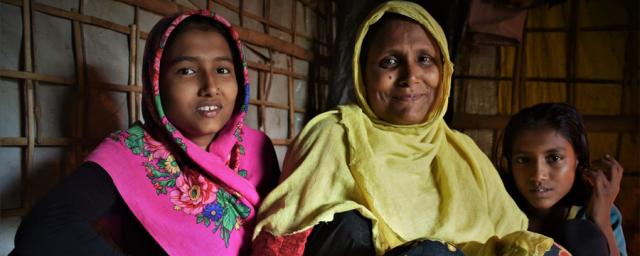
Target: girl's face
{"points": [[544, 166], [198, 84], [402, 72]]}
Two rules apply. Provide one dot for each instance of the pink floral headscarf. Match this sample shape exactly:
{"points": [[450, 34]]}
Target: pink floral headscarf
{"points": [[191, 201]]}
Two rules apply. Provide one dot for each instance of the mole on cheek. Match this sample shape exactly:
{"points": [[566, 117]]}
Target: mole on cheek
{"points": [[390, 77]]}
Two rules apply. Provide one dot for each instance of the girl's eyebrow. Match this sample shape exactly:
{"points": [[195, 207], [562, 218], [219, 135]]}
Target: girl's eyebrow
{"points": [[555, 150], [551, 150], [182, 58]]}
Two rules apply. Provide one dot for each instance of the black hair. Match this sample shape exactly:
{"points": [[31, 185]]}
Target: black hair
{"points": [[564, 119], [200, 22]]}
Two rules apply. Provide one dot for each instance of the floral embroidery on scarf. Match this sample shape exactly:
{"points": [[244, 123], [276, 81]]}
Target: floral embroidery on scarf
{"points": [[189, 191]]}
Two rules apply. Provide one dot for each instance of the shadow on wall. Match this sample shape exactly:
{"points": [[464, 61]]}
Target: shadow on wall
{"points": [[103, 112], [106, 110]]}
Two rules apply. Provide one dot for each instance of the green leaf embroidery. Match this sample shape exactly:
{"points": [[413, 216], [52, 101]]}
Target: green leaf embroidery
{"points": [[242, 172], [242, 210], [135, 140]]}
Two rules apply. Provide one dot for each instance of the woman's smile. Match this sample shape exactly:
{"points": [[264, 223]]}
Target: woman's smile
{"points": [[408, 98]]}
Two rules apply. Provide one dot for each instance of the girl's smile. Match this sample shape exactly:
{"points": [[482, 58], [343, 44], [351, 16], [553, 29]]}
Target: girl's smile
{"points": [[198, 85]]}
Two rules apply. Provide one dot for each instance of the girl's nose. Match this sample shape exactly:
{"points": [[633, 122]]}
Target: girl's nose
{"points": [[208, 83], [540, 171]]}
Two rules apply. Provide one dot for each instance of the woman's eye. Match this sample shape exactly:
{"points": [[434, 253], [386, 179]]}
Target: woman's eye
{"points": [[389, 62], [186, 71], [223, 71], [425, 60]]}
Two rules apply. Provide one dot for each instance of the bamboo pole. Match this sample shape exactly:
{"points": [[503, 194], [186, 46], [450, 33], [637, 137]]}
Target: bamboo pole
{"points": [[519, 85], [117, 87], [273, 105], [12, 142], [282, 71], [133, 53], [290, 85], [593, 123], [27, 75], [30, 103], [78, 44], [571, 46], [261, 97]]}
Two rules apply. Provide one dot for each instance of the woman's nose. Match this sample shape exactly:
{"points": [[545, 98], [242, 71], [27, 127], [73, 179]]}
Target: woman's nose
{"points": [[410, 73]]}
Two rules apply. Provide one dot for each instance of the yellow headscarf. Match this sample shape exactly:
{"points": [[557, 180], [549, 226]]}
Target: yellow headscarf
{"points": [[411, 181]]}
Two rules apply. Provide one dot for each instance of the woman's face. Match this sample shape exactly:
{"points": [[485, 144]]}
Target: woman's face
{"points": [[198, 84], [402, 72], [544, 166]]}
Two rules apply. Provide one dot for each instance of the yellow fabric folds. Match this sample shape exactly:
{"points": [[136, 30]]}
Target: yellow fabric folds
{"points": [[411, 181]]}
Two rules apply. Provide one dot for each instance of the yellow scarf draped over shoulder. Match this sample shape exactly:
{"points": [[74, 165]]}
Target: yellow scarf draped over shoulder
{"points": [[411, 181]]}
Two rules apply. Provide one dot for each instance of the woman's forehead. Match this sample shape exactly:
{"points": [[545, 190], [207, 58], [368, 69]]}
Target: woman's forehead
{"points": [[399, 32]]}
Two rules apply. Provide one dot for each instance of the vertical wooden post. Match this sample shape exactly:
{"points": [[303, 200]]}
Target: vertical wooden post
{"points": [[30, 103], [133, 53], [78, 46], [519, 78], [291, 89], [137, 95], [571, 50], [262, 80]]}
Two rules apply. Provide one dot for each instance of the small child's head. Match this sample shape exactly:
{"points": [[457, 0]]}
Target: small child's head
{"points": [[545, 148], [200, 82]]}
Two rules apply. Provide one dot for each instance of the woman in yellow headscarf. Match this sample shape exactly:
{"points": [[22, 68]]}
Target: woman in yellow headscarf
{"points": [[391, 162]]}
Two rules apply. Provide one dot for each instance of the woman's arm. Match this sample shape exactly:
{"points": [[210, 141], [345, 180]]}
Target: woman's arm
{"points": [[61, 224]]}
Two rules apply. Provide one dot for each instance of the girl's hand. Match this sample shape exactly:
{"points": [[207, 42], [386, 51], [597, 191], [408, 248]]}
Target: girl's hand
{"points": [[604, 176]]}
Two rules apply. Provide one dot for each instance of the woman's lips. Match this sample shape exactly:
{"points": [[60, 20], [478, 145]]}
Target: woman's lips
{"points": [[407, 97]]}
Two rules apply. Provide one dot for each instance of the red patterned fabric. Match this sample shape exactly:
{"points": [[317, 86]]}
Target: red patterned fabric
{"points": [[267, 244]]}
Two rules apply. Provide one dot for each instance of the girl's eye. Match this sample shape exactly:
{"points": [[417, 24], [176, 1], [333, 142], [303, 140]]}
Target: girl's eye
{"points": [[389, 62], [554, 158], [223, 71], [521, 160], [186, 71]]}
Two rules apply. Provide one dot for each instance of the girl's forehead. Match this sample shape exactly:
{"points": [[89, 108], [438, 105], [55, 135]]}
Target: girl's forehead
{"points": [[545, 136]]}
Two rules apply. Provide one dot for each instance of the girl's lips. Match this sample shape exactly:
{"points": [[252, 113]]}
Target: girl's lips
{"points": [[540, 191], [209, 110]]}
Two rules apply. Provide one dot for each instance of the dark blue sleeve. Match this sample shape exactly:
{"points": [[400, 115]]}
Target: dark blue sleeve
{"points": [[62, 222]]}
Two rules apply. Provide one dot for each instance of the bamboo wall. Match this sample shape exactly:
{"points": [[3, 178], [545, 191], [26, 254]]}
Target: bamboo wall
{"points": [[70, 74], [584, 53]]}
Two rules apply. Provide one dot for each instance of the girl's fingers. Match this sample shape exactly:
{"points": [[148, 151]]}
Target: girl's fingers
{"points": [[589, 177], [615, 169]]}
